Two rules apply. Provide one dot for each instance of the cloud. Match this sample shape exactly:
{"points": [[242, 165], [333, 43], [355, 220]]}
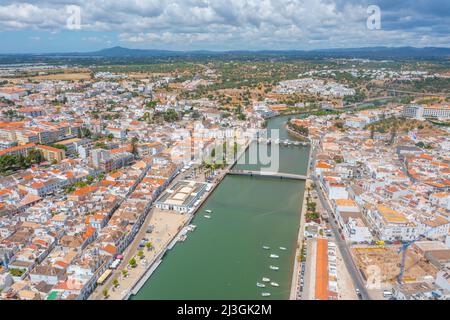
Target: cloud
{"points": [[237, 24]]}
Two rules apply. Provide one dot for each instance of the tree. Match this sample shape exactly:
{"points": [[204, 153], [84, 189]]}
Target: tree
{"points": [[132, 263], [393, 134], [149, 246], [124, 273], [141, 254], [170, 115], [115, 283], [195, 114], [134, 142], [105, 293], [151, 105]]}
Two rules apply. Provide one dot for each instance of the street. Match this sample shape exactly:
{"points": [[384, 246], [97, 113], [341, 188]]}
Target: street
{"points": [[343, 247]]}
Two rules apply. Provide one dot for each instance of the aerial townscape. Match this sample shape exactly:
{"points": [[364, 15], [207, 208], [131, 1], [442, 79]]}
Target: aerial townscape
{"points": [[135, 174]]}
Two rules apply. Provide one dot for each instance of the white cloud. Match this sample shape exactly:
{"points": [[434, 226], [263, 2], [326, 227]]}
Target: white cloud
{"points": [[231, 24]]}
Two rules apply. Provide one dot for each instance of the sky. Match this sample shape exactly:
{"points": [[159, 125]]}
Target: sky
{"points": [[39, 26]]}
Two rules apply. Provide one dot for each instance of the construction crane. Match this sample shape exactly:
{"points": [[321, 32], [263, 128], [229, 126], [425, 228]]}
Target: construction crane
{"points": [[403, 250]]}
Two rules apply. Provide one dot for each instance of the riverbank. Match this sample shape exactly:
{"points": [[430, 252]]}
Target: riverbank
{"points": [[295, 285], [296, 134]]}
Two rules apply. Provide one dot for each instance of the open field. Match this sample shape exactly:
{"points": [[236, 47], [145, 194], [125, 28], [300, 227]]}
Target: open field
{"points": [[65, 76]]}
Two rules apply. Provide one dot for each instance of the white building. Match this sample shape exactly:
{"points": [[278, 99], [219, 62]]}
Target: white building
{"points": [[391, 225], [421, 111]]}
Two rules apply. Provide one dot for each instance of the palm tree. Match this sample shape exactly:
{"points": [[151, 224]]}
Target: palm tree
{"points": [[105, 293], [124, 273], [115, 283], [141, 254], [149, 246]]}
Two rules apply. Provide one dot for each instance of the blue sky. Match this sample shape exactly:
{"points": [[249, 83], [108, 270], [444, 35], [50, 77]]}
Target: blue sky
{"points": [[36, 26]]}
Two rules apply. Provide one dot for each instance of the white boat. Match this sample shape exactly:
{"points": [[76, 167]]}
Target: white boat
{"points": [[274, 256], [266, 248], [274, 267], [265, 294], [282, 248], [274, 284], [265, 279], [207, 216], [261, 285], [209, 211]]}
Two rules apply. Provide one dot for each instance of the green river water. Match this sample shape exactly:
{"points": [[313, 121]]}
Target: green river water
{"points": [[223, 258]]}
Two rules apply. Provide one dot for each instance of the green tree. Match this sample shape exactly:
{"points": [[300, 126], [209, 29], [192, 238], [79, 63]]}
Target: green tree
{"points": [[132, 263], [134, 142]]}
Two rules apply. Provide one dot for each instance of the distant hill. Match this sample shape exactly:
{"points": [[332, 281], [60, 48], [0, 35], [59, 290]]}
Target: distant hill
{"points": [[121, 53], [370, 53]]}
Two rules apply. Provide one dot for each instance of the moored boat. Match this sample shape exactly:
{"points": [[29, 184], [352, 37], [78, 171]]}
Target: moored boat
{"points": [[265, 279], [261, 285], [274, 284], [274, 267], [266, 247], [265, 294], [274, 256]]}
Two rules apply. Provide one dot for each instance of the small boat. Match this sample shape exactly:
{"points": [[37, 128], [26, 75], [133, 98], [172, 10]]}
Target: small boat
{"points": [[282, 248], [207, 216], [274, 267], [265, 294], [209, 211], [266, 248], [265, 279], [261, 285], [274, 284], [274, 256]]}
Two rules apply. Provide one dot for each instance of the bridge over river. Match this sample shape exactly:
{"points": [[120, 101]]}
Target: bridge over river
{"points": [[263, 173]]}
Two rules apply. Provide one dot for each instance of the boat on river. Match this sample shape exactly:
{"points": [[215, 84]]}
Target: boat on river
{"points": [[274, 256], [274, 268]]}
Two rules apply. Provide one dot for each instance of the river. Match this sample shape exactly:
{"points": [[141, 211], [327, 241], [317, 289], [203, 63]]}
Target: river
{"points": [[223, 258]]}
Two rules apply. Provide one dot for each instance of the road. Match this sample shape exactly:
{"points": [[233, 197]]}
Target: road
{"points": [[342, 245]]}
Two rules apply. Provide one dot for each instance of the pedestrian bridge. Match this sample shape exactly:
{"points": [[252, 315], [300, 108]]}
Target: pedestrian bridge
{"points": [[280, 175]]}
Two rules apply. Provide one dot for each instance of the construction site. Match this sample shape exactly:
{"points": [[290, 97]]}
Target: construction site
{"points": [[380, 265]]}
